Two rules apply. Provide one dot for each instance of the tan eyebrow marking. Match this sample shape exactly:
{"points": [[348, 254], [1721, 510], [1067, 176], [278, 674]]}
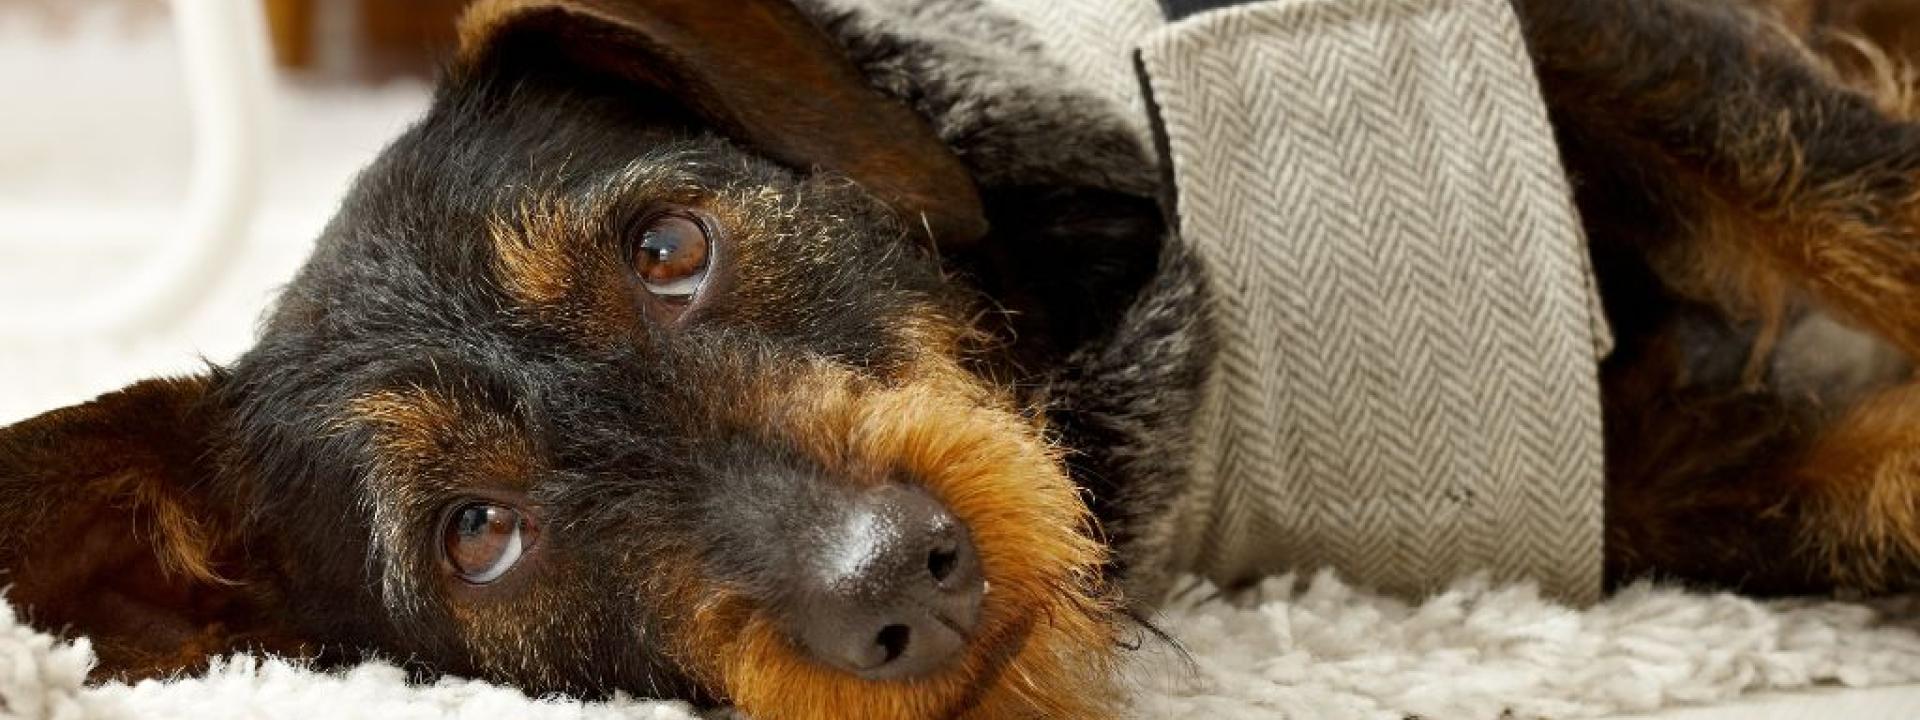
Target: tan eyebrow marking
{"points": [[429, 446], [530, 252], [418, 431]]}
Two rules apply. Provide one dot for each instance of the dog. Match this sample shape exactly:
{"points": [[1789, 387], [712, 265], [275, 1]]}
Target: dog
{"points": [[721, 350]]}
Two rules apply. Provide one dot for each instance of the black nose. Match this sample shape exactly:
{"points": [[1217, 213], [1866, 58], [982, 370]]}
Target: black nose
{"points": [[894, 591]]}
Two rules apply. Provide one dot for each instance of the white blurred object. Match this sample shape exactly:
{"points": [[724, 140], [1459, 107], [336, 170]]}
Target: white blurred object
{"points": [[98, 146], [224, 54]]}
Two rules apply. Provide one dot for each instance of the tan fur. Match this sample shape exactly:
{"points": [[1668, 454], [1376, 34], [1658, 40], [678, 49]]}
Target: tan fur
{"points": [[1718, 266], [1860, 485], [484, 18], [429, 445], [1046, 640], [558, 259], [1857, 487], [183, 543], [1792, 483], [1845, 243], [1812, 241], [420, 431], [531, 251]]}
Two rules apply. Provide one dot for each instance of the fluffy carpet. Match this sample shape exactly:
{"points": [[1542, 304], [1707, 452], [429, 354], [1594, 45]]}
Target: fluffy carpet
{"points": [[1289, 649]]}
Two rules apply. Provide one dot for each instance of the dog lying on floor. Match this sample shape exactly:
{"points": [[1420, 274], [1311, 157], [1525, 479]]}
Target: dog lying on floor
{"points": [[718, 349]]}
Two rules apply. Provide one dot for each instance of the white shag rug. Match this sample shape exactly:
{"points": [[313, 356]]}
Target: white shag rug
{"points": [[1314, 649]]}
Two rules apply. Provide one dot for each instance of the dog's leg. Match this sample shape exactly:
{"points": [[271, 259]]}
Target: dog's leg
{"points": [[1768, 173], [1710, 146], [1841, 510], [1698, 483], [1857, 492]]}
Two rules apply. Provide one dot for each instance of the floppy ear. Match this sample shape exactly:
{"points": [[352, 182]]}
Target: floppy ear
{"points": [[111, 526], [758, 71]]}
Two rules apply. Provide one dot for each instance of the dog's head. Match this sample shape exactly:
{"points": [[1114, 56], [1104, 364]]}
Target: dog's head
{"points": [[637, 365]]}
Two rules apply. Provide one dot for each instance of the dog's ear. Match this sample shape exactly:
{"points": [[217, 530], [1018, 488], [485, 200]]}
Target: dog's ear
{"points": [[757, 70], [111, 526]]}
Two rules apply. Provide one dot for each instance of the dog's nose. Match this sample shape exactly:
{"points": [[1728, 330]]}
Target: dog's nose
{"points": [[894, 591]]}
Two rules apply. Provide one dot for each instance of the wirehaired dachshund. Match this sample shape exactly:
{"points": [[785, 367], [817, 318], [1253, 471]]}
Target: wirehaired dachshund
{"points": [[718, 350]]}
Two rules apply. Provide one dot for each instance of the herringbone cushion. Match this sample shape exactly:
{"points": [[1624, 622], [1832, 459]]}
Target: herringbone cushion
{"points": [[1407, 390]]}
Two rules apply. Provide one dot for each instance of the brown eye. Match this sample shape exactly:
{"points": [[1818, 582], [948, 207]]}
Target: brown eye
{"points": [[671, 257], [484, 541]]}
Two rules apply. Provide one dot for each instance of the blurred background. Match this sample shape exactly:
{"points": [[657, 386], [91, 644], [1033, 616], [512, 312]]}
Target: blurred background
{"points": [[165, 166]]}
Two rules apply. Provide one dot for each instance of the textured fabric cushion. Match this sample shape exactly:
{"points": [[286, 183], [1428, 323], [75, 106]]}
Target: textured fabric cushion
{"points": [[1407, 389], [1407, 386]]}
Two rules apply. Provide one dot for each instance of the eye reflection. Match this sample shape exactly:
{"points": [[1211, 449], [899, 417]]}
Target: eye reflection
{"points": [[671, 257], [483, 541]]}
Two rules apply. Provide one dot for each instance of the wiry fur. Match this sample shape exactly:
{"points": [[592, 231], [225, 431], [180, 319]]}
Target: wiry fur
{"points": [[1012, 114], [1046, 640], [1750, 192]]}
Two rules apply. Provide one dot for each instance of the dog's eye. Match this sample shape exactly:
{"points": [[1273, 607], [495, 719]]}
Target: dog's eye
{"points": [[671, 257], [484, 541]]}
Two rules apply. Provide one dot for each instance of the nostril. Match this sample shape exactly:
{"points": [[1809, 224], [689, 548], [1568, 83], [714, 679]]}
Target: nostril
{"points": [[893, 641], [895, 590], [942, 562]]}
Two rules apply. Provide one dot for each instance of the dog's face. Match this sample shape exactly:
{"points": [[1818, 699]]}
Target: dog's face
{"points": [[607, 377]]}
